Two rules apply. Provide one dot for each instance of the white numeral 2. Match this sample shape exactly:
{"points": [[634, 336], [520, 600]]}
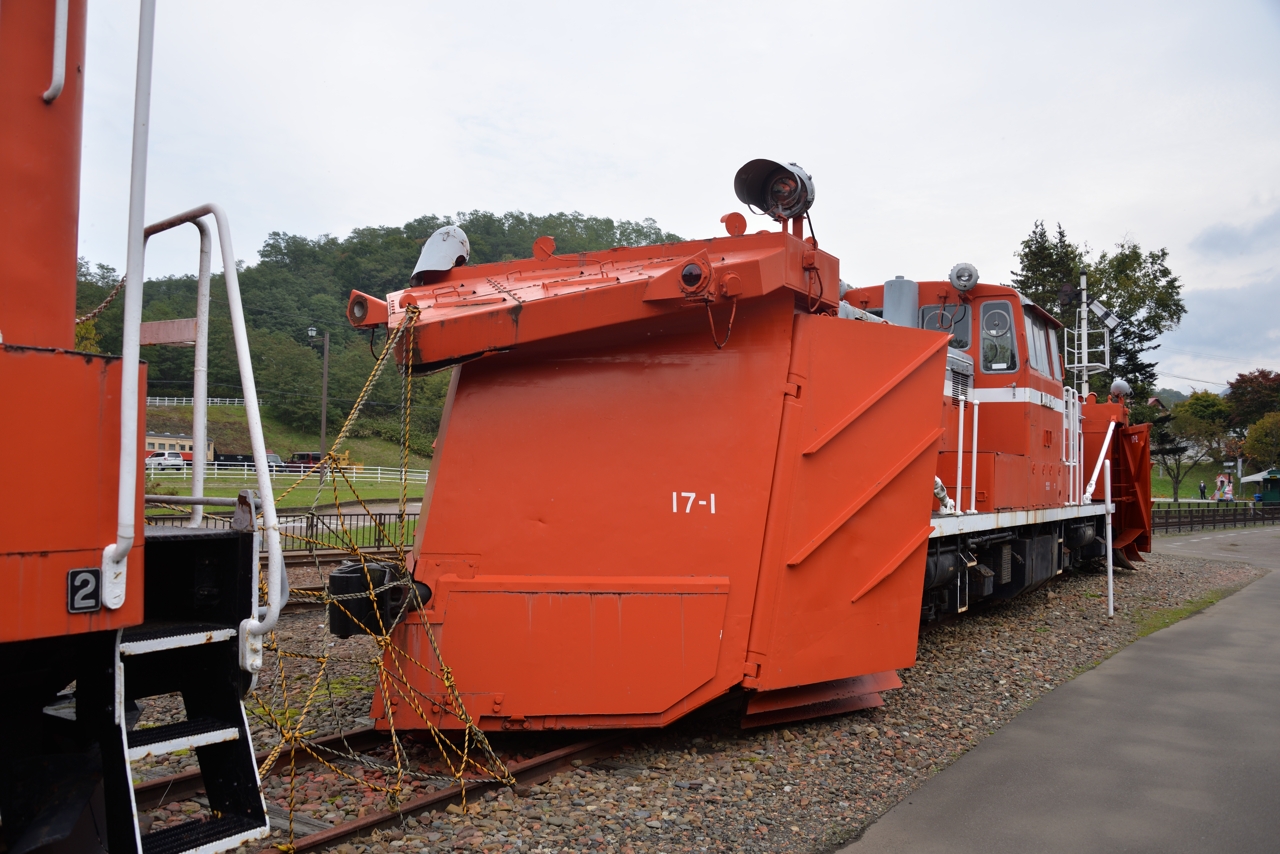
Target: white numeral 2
{"points": [[688, 507]]}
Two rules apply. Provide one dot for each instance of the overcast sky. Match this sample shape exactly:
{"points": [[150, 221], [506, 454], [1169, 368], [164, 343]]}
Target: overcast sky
{"points": [[935, 132]]}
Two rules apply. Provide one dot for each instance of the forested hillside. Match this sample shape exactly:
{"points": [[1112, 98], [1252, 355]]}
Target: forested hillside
{"points": [[300, 283]]}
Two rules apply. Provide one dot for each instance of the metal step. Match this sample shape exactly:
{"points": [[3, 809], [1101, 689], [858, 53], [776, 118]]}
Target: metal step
{"points": [[204, 836], [184, 735], [153, 637]]}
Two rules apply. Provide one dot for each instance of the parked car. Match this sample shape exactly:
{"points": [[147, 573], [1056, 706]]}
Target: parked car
{"points": [[274, 463], [166, 460], [304, 461]]}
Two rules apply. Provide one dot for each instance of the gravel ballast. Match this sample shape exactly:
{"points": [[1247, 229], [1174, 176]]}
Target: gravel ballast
{"points": [[706, 785]]}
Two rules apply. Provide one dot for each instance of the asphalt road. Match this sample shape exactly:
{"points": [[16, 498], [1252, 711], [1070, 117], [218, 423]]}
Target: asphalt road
{"points": [[1258, 546], [1172, 745]]}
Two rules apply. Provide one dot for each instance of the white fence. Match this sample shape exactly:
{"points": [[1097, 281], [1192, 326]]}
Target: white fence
{"points": [[244, 472], [187, 401]]}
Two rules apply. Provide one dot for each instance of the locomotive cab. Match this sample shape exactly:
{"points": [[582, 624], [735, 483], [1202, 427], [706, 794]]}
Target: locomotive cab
{"points": [[1021, 452]]}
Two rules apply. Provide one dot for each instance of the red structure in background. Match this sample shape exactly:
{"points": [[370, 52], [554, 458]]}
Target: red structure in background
{"points": [[673, 474], [69, 400], [97, 612]]}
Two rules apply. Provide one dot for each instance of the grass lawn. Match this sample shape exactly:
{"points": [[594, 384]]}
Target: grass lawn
{"points": [[301, 496], [1162, 485], [230, 433], [1150, 621]]}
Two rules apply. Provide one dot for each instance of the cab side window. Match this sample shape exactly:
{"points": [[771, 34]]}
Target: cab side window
{"points": [[999, 342], [1054, 361], [1037, 350], [954, 319]]}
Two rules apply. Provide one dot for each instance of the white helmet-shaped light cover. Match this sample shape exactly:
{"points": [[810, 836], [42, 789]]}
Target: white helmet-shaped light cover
{"points": [[447, 248]]}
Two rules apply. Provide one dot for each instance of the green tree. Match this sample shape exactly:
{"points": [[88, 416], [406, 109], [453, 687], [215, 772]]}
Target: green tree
{"points": [[1251, 396], [1049, 271], [300, 282], [1210, 413], [1140, 287], [1137, 285], [87, 337], [1263, 442], [291, 375], [1191, 435]]}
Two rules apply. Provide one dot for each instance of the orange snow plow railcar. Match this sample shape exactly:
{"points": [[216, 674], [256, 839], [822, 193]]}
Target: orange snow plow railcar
{"points": [[671, 474]]}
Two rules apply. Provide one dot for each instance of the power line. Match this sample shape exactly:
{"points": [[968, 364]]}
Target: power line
{"points": [[1212, 356], [1192, 379]]}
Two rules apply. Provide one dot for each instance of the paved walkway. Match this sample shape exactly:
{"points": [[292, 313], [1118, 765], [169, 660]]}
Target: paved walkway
{"points": [[1172, 745]]}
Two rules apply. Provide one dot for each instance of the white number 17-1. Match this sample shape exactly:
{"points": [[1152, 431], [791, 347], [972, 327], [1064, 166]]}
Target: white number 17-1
{"points": [[688, 507]]}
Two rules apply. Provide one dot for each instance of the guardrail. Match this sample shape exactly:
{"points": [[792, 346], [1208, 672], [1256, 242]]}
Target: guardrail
{"points": [[310, 531], [286, 472], [1184, 519], [190, 401]]}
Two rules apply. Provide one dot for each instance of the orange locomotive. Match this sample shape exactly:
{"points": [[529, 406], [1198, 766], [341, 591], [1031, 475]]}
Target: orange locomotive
{"points": [[97, 612], [672, 474]]}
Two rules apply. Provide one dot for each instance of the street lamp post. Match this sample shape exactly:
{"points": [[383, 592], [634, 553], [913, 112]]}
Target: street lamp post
{"points": [[324, 391]]}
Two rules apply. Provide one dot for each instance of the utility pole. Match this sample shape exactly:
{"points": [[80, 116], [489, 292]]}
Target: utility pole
{"points": [[1084, 333], [324, 398], [324, 391]]}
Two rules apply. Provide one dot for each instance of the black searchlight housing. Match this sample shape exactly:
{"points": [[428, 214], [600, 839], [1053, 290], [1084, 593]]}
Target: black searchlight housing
{"points": [[780, 190]]}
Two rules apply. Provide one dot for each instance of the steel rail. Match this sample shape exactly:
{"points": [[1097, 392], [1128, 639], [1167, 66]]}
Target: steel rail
{"points": [[157, 792], [528, 772]]}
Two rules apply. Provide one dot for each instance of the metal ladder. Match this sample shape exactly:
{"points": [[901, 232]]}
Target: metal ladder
{"points": [[200, 663], [201, 584]]}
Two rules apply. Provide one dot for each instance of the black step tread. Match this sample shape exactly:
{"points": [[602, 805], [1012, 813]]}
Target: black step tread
{"points": [[169, 628], [182, 729], [193, 834]]}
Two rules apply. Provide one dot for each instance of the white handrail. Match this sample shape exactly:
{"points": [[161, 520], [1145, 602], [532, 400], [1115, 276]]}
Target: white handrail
{"points": [[960, 460], [199, 420], [1079, 450], [277, 585], [1111, 598], [115, 556], [59, 52], [973, 463], [256, 626], [200, 375], [1102, 456]]}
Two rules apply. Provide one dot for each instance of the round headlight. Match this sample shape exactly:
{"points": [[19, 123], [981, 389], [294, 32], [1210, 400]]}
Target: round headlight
{"points": [[963, 276], [691, 276]]}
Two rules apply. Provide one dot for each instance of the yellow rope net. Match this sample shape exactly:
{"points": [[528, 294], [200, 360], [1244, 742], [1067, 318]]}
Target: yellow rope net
{"points": [[302, 689]]}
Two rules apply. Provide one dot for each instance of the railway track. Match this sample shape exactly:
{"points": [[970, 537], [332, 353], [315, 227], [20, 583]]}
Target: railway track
{"points": [[310, 835], [329, 557]]}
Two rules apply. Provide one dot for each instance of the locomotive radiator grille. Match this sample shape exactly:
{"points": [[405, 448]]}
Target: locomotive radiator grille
{"points": [[958, 385]]}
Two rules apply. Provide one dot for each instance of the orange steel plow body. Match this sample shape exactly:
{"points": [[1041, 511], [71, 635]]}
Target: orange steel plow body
{"points": [[625, 523]]}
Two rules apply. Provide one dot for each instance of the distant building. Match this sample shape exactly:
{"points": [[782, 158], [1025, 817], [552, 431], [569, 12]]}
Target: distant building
{"points": [[1157, 403], [176, 442]]}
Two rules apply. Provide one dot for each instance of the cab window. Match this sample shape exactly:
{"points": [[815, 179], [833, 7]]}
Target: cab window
{"points": [[951, 318], [999, 343], [1054, 361], [1037, 350]]}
